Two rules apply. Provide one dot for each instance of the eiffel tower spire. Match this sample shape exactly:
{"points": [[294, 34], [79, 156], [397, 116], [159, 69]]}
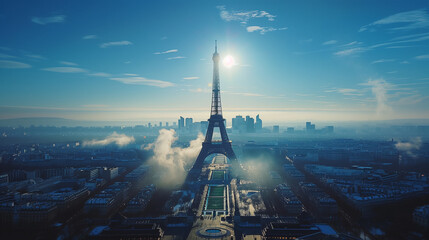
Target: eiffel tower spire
{"points": [[216, 101]]}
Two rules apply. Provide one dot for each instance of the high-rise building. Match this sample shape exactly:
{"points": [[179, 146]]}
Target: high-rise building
{"points": [[204, 125], [258, 123], [290, 130], [181, 122], [189, 123], [310, 127], [237, 122], [276, 129], [160, 124], [166, 124], [250, 124], [149, 125]]}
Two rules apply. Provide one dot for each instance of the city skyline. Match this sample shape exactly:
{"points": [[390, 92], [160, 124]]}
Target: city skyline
{"points": [[110, 64], [241, 120]]}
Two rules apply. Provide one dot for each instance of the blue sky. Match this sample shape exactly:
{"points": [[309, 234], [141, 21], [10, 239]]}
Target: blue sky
{"points": [[151, 60]]}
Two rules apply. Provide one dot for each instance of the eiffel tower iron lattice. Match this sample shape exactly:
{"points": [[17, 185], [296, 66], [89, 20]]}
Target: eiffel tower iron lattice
{"points": [[216, 120]]}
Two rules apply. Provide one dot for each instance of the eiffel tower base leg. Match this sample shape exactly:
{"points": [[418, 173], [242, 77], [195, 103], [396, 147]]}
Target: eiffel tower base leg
{"points": [[224, 148]]}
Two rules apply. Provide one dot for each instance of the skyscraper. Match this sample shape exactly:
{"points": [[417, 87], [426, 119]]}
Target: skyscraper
{"points": [[237, 122], [258, 123], [181, 122], [250, 124], [276, 129], [189, 123], [310, 127], [204, 126]]}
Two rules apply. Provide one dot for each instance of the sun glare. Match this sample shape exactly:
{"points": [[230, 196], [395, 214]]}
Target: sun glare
{"points": [[228, 61]]}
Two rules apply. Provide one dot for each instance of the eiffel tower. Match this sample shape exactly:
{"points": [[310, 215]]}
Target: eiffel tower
{"points": [[216, 120]]}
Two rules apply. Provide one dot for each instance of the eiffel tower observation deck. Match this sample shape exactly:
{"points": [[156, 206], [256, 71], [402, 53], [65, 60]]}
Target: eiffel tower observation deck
{"points": [[216, 120]]}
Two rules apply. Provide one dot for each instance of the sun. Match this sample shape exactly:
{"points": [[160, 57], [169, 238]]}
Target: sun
{"points": [[228, 61]]}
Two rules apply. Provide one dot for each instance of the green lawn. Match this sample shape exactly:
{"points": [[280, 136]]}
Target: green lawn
{"points": [[218, 175], [216, 191], [220, 160], [215, 203]]}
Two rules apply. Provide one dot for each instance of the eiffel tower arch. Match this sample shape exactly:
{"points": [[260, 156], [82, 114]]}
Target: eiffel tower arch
{"points": [[216, 120]]}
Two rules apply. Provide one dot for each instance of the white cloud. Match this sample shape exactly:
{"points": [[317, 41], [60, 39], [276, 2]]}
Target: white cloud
{"points": [[243, 16], [131, 74], [254, 28], [415, 39], [411, 100], [68, 63], [397, 47], [330, 42], [178, 57], [379, 88], [422, 57], [46, 20], [65, 69], [119, 43], [410, 36], [87, 37], [410, 20], [383, 61], [100, 74], [346, 91], [170, 162], [410, 147], [144, 81], [190, 78], [246, 16], [35, 56], [6, 56], [405, 39], [168, 51], [352, 43], [263, 30], [119, 139], [13, 64], [350, 51]]}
